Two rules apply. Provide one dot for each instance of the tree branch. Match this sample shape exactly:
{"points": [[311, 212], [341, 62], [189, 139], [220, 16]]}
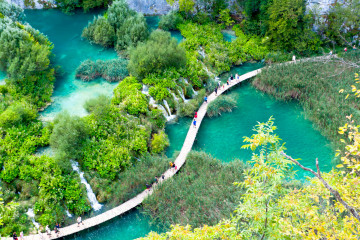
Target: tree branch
{"points": [[337, 195]]}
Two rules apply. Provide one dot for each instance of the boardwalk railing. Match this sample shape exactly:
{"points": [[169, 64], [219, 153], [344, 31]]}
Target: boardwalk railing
{"points": [[179, 162]]}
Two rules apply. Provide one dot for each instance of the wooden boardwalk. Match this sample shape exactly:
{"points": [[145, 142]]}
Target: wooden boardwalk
{"points": [[179, 162], [134, 202]]}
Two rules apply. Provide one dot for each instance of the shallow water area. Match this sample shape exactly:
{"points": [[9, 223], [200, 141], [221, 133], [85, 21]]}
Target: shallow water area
{"points": [[2, 78], [223, 136], [70, 50], [229, 35]]}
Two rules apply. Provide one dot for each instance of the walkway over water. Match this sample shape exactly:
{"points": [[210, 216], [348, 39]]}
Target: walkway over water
{"points": [[179, 162], [134, 202]]}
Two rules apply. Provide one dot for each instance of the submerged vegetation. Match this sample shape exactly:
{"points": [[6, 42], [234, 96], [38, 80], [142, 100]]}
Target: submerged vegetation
{"points": [[202, 193], [111, 70], [223, 103]]}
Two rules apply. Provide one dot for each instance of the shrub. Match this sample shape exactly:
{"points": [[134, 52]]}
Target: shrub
{"points": [[189, 108], [98, 104], [68, 135], [120, 27], [170, 21], [16, 114], [221, 104], [133, 31], [159, 142], [159, 53], [128, 93], [130, 182], [100, 31]]}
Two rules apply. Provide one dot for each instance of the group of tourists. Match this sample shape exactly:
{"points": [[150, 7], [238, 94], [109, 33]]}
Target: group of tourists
{"points": [[157, 179], [47, 230]]}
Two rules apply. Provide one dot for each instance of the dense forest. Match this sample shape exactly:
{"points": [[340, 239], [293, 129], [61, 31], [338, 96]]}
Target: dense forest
{"points": [[109, 142]]}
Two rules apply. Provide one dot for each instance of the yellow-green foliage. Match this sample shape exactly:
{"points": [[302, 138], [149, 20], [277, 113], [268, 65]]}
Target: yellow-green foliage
{"points": [[128, 93], [159, 142]]}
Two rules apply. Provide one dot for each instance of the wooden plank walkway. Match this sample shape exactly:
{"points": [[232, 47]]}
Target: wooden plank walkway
{"points": [[179, 162]]}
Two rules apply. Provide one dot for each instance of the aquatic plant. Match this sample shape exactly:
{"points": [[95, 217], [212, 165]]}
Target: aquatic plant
{"points": [[205, 187], [111, 70], [223, 103], [316, 85]]}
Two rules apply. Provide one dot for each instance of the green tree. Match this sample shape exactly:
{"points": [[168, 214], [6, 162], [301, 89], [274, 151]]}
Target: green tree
{"points": [[159, 142], [290, 28], [68, 135], [159, 53]]}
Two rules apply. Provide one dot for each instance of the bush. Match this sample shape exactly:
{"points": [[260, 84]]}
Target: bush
{"points": [[100, 32], [205, 187], [133, 31], [128, 93], [120, 27], [68, 135], [170, 21], [221, 104], [98, 104], [189, 108], [159, 142], [16, 114], [159, 53], [130, 182]]}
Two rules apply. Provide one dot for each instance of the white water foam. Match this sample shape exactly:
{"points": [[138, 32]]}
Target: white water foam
{"points": [[145, 90], [91, 196], [31, 215], [68, 213]]}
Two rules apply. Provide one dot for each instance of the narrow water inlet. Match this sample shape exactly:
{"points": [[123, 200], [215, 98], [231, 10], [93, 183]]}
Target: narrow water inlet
{"points": [[91, 196]]}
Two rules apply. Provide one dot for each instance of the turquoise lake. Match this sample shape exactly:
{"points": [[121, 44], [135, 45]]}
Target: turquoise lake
{"points": [[220, 136]]}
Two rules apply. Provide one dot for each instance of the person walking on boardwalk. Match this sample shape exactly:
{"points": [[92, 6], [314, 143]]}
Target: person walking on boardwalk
{"points": [[79, 220], [231, 78], [345, 49], [148, 186], [47, 230], [21, 235], [194, 123], [205, 99], [227, 82], [195, 116], [14, 236], [236, 77], [216, 89], [294, 58]]}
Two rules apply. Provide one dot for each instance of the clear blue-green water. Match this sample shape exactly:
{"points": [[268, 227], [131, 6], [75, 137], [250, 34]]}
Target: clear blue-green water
{"points": [[70, 50], [223, 136], [130, 226], [2, 77], [229, 36]]}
